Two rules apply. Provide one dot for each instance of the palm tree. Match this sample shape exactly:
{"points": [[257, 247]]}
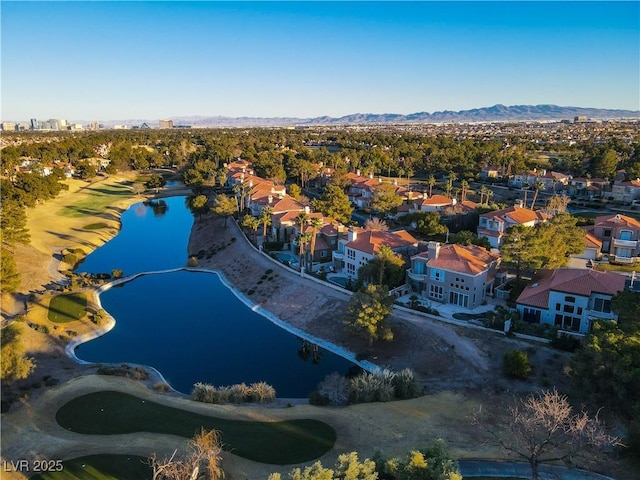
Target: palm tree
{"points": [[431, 181], [483, 192], [450, 180], [251, 223], [376, 224], [537, 187], [525, 187], [316, 224], [303, 239], [301, 220], [489, 194], [465, 185], [266, 216]]}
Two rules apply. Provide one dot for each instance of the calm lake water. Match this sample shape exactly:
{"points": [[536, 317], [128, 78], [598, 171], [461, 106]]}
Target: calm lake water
{"points": [[189, 325]]}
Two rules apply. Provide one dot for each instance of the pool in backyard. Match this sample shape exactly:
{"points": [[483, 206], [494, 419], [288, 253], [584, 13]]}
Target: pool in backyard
{"points": [[286, 257], [339, 280]]}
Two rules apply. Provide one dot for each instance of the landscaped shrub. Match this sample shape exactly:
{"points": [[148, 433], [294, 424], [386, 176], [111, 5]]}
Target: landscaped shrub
{"points": [[124, 370], [70, 259], [161, 387], [405, 385], [566, 343], [260, 392], [369, 387], [192, 262], [318, 399], [251, 292], [268, 271], [116, 273], [334, 388], [515, 364], [38, 328], [273, 246], [429, 310]]}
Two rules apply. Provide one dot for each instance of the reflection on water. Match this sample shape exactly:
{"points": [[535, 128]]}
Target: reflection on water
{"points": [[158, 207]]}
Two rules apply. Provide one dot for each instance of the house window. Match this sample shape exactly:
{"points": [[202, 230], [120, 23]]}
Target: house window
{"points": [[568, 308], [437, 275], [351, 254], [459, 299], [602, 305], [323, 253], [531, 315], [435, 291], [570, 299], [558, 306], [351, 268], [571, 323], [625, 235], [606, 233]]}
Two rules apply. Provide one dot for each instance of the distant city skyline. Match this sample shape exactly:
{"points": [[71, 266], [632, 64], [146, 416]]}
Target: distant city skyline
{"points": [[105, 61]]}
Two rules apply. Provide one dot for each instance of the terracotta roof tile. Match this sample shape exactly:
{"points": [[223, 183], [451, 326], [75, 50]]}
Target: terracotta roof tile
{"points": [[437, 200], [616, 220], [371, 241], [569, 280], [468, 259]]}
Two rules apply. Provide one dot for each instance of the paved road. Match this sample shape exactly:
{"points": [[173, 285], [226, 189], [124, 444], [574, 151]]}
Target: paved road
{"points": [[486, 468]]}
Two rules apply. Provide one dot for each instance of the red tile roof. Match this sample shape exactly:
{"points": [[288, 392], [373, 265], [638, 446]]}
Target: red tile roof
{"points": [[437, 200], [371, 241], [616, 221], [467, 259], [569, 280], [517, 215]]}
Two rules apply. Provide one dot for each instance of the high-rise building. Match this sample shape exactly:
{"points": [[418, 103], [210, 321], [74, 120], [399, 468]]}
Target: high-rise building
{"points": [[166, 124]]}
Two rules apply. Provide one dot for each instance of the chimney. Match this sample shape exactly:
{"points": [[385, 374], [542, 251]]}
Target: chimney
{"points": [[395, 181], [270, 199], [250, 183], [358, 172], [519, 203], [307, 210], [371, 176], [379, 179], [433, 250], [353, 234]]}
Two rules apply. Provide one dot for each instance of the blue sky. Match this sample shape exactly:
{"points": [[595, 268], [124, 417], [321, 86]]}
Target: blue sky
{"points": [[121, 60]]}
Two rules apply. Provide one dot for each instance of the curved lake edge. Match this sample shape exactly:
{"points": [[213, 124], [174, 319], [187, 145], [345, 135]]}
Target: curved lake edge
{"points": [[111, 322]]}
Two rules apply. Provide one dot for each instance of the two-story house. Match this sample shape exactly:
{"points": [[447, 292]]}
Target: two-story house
{"points": [[360, 246], [462, 275], [570, 298], [626, 191], [494, 225], [620, 237]]}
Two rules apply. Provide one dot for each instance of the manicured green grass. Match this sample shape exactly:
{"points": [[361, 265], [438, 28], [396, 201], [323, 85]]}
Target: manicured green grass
{"points": [[100, 467], [281, 443], [95, 226], [67, 308], [96, 201], [618, 268]]}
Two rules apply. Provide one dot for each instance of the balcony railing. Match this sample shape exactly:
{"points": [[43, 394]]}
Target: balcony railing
{"points": [[625, 243], [337, 255], [418, 277]]}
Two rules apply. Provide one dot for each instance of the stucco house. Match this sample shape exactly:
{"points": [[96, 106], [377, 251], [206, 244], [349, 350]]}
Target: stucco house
{"points": [[360, 246], [494, 225], [457, 274], [436, 203], [620, 237], [626, 191], [570, 298]]}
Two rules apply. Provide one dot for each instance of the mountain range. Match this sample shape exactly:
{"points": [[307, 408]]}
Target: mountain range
{"points": [[496, 113]]}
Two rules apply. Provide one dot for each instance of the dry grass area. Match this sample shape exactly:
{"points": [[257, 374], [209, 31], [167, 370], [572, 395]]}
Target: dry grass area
{"points": [[458, 367]]}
